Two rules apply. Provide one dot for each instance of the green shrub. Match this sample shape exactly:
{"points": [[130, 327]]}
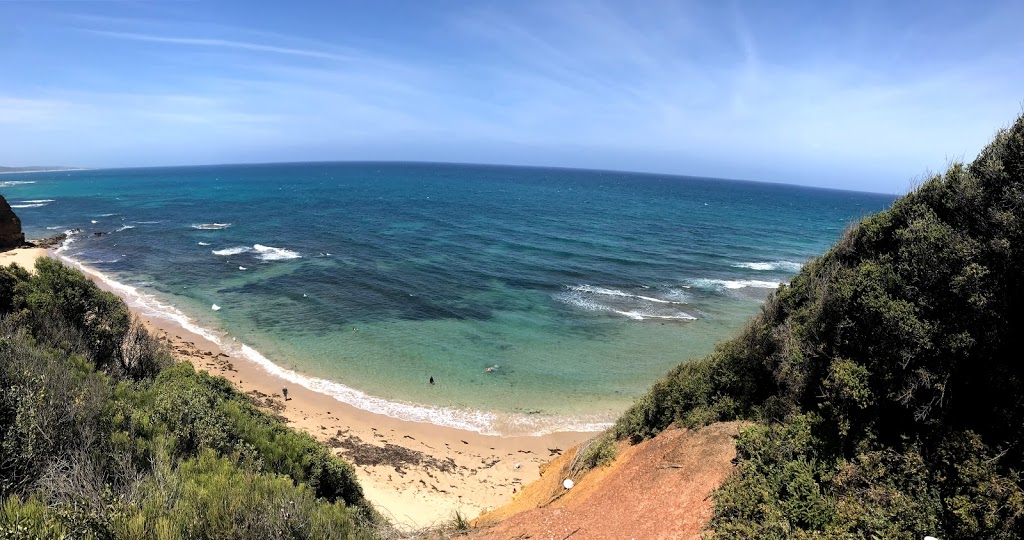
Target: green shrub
{"points": [[600, 452], [886, 374], [102, 437]]}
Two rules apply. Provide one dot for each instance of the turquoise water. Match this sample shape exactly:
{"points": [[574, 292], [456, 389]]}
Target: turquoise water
{"points": [[577, 288]]}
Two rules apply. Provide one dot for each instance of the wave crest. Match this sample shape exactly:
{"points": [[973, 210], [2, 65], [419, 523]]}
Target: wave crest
{"points": [[722, 284], [784, 266], [631, 305], [211, 226], [263, 253], [230, 251], [268, 253]]}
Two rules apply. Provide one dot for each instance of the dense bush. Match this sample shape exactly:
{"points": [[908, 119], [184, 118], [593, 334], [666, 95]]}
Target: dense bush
{"points": [[886, 376], [102, 436]]}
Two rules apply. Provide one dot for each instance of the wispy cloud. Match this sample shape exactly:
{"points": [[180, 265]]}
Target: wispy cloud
{"points": [[221, 43], [733, 89]]}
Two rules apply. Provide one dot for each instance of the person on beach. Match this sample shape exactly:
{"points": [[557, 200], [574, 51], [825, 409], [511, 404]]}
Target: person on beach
{"points": [[284, 392]]}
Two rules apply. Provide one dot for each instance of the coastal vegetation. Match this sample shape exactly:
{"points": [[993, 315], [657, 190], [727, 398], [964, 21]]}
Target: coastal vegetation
{"points": [[885, 378], [103, 436]]}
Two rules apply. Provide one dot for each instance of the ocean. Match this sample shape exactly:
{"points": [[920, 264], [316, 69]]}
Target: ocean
{"points": [[538, 299]]}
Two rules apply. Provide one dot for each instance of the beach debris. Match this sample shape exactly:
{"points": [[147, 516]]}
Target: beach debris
{"points": [[215, 307], [516, 465], [568, 483]]}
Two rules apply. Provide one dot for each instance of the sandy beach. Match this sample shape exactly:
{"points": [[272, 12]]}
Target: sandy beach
{"points": [[417, 474], [23, 257]]}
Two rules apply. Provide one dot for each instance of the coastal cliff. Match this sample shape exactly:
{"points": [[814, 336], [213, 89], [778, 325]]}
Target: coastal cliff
{"points": [[11, 235], [884, 380]]}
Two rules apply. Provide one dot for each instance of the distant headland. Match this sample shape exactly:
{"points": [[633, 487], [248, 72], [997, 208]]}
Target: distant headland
{"points": [[12, 170]]}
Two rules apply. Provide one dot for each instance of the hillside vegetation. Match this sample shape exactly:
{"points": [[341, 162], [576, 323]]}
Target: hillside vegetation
{"points": [[102, 436], [887, 378]]}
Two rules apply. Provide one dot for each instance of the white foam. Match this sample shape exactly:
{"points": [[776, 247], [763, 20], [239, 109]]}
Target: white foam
{"points": [[33, 205], [12, 183], [147, 222], [584, 297], [108, 215], [784, 266], [53, 228], [93, 221], [125, 228], [69, 238], [204, 243], [211, 226], [719, 284], [615, 292], [33, 201], [231, 251], [487, 423], [641, 315], [268, 253]]}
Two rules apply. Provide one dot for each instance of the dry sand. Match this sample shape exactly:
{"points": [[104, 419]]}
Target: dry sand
{"points": [[23, 257], [415, 473]]}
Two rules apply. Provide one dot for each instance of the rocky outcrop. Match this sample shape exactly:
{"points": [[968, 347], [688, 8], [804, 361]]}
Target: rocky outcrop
{"points": [[10, 227]]}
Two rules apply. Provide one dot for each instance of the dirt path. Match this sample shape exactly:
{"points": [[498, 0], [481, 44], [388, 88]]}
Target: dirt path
{"points": [[657, 489]]}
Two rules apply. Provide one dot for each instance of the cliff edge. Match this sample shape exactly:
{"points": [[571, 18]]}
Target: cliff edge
{"points": [[11, 235]]}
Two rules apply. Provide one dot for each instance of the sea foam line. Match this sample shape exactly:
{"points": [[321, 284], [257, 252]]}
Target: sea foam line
{"points": [[483, 422], [230, 251], [582, 296], [265, 253], [786, 266], [719, 284], [616, 292]]}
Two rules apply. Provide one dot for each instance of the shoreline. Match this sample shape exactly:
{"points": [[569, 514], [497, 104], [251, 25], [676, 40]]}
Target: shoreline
{"points": [[416, 473]]}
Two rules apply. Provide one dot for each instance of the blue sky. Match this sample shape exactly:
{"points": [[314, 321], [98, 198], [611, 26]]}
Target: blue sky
{"points": [[859, 95]]}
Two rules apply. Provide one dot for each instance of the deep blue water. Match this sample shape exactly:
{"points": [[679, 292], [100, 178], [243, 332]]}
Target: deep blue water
{"points": [[582, 287]]}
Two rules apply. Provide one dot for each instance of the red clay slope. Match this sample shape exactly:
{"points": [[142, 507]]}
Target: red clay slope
{"points": [[657, 489]]}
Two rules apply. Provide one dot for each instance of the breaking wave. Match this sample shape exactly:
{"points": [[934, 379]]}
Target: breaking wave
{"points": [[226, 252], [268, 253], [263, 253], [784, 266], [627, 304], [722, 284]]}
